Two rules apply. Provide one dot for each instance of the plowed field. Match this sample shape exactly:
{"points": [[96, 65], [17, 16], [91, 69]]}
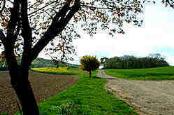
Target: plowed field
{"points": [[44, 86]]}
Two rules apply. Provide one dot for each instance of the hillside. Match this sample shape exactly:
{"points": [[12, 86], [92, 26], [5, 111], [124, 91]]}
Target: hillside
{"points": [[40, 62]]}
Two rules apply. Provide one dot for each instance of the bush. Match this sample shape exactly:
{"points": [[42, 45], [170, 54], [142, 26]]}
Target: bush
{"points": [[89, 63]]}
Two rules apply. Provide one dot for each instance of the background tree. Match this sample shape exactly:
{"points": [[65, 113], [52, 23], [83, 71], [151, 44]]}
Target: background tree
{"points": [[103, 59], [89, 64], [131, 62], [27, 26], [61, 50]]}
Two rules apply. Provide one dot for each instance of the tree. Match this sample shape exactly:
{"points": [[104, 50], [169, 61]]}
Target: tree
{"points": [[27, 26], [89, 64], [61, 50], [103, 59], [132, 62]]}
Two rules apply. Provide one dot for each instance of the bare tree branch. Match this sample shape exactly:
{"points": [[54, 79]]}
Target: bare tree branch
{"points": [[14, 18], [30, 14], [9, 41], [26, 34], [59, 22], [3, 6], [170, 2], [2, 36]]}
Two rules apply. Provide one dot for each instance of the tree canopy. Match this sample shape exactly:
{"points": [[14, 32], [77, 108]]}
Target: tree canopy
{"points": [[89, 63], [92, 16], [132, 62]]}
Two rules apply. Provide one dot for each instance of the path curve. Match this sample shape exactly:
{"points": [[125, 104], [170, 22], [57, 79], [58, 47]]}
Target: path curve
{"points": [[147, 97]]}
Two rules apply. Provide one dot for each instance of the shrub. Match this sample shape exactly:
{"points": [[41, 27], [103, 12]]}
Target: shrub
{"points": [[89, 63]]}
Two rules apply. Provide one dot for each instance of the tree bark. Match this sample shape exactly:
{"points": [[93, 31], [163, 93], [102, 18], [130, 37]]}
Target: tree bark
{"points": [[23, 90]]}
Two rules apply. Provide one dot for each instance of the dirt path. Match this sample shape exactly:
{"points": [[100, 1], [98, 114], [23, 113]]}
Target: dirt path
{"points": [[148, 97]]}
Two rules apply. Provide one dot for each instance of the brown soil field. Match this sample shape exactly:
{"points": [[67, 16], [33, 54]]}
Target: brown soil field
{"points": [[44, 86]]}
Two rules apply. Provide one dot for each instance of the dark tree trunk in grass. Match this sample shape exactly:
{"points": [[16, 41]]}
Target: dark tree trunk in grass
{"points": [[90, 74], [57, 65]]}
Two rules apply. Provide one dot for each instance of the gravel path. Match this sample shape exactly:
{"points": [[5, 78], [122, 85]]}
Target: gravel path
{"points": [[147, 97]]}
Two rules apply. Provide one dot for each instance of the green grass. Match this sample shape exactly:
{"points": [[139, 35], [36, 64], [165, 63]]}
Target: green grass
{"points": [[161, 73], [86, 97]]}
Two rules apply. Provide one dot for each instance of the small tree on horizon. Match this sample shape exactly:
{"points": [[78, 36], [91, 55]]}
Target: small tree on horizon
{"points": [[89, 63]]}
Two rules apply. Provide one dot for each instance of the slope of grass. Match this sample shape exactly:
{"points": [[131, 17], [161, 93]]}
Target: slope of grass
{"points": [[86, 97], [161, 73]]}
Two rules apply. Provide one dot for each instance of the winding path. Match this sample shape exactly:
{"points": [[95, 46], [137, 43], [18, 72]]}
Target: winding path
{"points": [[147, 97]]}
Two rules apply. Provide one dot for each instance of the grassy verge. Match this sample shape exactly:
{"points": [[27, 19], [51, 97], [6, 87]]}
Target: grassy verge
{"points": [[86, 97], [161, 73]]}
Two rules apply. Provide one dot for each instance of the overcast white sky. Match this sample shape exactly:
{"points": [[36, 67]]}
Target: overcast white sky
{"points": [[155, 36]]}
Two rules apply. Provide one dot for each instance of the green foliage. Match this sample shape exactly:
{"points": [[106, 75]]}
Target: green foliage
{"points": [[161, 73], [3, 66], [4, 113], [86, 97], [131, 62], [89, 63], [40, 62]]}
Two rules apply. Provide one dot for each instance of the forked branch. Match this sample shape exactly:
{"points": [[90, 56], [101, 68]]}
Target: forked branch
{"points": [[59, 22]]}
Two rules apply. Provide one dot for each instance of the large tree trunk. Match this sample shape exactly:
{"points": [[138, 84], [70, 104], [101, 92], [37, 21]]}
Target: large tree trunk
{"points": [[23, 90]]}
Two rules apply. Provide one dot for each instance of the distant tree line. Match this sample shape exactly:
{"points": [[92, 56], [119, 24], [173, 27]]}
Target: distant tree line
{"points": [[131, 62]]}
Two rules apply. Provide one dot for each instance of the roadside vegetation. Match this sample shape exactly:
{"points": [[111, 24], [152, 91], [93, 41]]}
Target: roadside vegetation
{"points": [[161, 73], [132, 62], [87, 97]]}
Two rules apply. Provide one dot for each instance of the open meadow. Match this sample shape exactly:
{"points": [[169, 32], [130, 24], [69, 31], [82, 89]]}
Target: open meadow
{"points": [[160, 73], [87, 96]]}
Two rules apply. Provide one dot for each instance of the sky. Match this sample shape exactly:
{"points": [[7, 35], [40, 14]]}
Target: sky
{"points": [[155, 36]]}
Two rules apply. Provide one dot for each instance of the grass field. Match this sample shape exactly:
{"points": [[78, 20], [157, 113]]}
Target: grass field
{"points": [[161, 73], [86, 97]]}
